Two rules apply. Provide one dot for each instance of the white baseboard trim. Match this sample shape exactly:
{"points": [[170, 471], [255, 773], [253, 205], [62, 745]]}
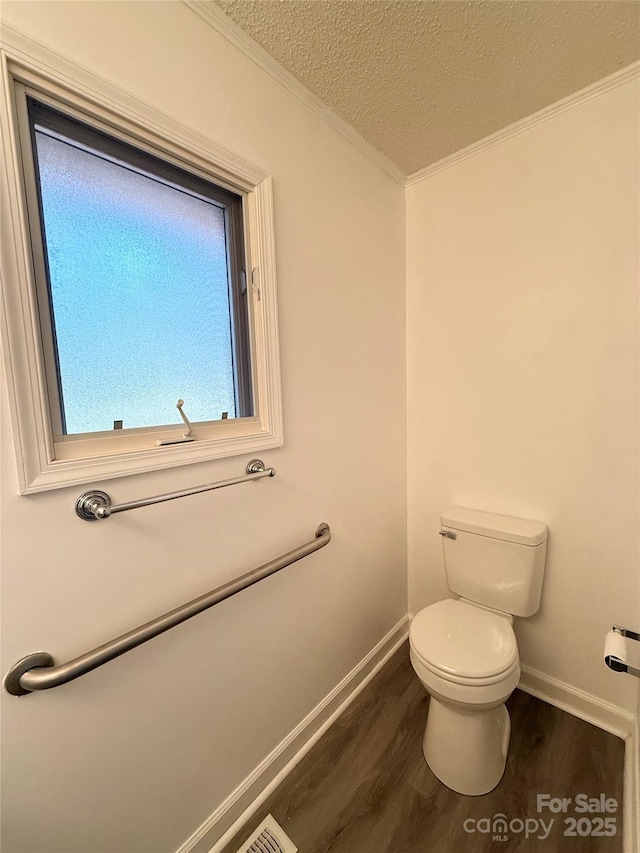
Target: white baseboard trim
{"points": [[631, 809], [578, 702], [606, 716], [236, 810], [231, 815]]}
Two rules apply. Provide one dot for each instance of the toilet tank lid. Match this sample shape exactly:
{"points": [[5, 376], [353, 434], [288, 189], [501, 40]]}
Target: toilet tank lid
{"points": [[495, 526]]}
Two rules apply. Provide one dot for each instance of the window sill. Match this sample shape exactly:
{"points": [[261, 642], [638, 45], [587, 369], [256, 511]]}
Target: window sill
{"points": [[72, 472]]}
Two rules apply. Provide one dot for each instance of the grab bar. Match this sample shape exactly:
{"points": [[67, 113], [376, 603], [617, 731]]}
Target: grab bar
{"points": [[96, 505], [39, 672]]}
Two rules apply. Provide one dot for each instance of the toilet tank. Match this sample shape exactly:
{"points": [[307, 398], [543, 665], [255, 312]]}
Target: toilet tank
{"points": [[494, 560]]}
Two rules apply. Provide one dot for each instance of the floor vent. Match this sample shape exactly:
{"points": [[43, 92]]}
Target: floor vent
{"points": [[269, 837]]}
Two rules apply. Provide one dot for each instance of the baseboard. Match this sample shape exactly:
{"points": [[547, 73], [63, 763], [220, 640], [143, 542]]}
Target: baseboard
{"points": [[231, 815], [606, 716], [578, 702], [631, 812]]}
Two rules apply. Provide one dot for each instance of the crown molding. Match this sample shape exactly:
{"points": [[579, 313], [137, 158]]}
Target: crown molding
{"points": [[216, 18], [618, 78]]}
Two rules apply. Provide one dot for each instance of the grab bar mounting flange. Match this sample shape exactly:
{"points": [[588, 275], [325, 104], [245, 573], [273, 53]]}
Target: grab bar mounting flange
{"points": [[12, 679], [94, 505]]}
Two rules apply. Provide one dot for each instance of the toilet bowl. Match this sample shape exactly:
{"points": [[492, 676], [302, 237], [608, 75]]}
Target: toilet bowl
{"points": [[466, 657]]}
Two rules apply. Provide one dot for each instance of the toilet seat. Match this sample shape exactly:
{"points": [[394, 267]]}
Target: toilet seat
{"points": [[462, 680], [465, 644]]}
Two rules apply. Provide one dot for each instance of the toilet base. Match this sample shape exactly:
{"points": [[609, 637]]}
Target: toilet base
{"points": [[467, 750]]}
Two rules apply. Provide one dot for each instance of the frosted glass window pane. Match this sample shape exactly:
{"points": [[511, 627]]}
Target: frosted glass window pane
{"points": [[139, 290]]}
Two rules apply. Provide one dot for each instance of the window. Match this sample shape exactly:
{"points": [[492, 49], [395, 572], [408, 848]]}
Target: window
{"points": [[149, 278], [141, 295]]}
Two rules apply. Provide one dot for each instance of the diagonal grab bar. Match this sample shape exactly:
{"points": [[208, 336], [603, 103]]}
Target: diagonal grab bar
{"points": [[39, 672]]}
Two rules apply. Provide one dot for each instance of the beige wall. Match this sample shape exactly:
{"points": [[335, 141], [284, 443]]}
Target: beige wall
{"points": [[134, 757], [522, 336]]}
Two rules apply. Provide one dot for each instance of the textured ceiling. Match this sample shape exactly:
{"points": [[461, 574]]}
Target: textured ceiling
{"points": [[421, 79]]}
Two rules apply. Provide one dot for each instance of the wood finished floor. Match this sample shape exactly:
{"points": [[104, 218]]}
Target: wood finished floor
{"points": [[366, 788]]}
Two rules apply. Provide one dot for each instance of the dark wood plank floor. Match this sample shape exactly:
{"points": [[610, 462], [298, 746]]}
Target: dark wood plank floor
{"points": [[366, 788]]}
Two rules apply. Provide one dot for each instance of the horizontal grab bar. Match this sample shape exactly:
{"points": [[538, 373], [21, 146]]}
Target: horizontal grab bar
{"points": [[96, 505], [39, 672]]}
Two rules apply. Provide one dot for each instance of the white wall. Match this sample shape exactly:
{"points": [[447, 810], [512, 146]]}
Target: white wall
{"points": [[522, 379], [135, 756], [522, 336]]}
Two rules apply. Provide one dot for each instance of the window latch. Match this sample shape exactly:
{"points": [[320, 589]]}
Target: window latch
{"points": [[186, 435], [254, 280]]}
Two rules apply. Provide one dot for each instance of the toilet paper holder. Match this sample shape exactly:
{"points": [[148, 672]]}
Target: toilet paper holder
{"points": [[614, 662]]}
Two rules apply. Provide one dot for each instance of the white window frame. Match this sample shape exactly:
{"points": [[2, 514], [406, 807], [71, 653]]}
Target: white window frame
{"points": [[42, 462]]}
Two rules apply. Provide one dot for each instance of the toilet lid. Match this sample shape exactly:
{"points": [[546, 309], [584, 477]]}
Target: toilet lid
{"points": [[464, 640]]}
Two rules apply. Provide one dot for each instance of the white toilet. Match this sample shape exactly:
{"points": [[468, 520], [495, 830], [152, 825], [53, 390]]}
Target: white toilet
{"points": [[464, 650]]}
